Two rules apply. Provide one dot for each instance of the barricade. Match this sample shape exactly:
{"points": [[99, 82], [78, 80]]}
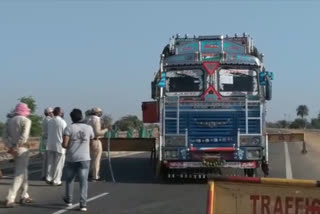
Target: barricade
{"points": [[288, 137], [244, 195], [128, 144]]}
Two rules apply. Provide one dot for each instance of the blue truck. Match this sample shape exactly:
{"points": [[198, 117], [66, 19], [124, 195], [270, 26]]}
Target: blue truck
{"points": [[210, 96]]}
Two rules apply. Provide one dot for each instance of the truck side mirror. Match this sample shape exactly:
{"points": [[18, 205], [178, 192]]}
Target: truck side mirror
{"points": [[265, 78], [153, 89], [268, 94], [263, 75]]}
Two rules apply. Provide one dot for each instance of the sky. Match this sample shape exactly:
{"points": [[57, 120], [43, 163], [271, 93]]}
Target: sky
{"points": [[81, 53]]}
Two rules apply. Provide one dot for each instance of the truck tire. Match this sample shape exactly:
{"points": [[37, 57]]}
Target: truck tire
{"points": [[249, 172]]}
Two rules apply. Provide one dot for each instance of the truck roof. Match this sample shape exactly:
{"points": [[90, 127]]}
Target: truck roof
{"points": [[217, 48]]}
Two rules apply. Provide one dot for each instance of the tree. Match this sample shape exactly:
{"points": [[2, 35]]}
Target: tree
{"points": [[298, 123], [283, 123], [30, 101], [128, 122], [315, 123], [36, 120], [1, 128], [302, 111], [106, 121]]}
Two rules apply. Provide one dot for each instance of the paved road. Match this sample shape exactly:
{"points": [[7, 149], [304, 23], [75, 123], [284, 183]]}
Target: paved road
{"points": [[137, 191]]}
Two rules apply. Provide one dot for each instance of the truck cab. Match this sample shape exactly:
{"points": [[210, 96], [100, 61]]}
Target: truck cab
{"points": [[210, 97]]}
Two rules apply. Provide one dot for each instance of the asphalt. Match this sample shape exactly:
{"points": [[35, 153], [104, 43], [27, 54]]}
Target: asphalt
{"points": [[138, 191]]}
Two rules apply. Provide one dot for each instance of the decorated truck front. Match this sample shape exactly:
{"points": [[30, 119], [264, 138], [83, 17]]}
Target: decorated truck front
{"points": [[210, 94]]}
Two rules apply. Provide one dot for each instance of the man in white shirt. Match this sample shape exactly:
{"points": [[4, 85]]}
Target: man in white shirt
{"points": [[16, 134], [48, 113], [55, 151]]}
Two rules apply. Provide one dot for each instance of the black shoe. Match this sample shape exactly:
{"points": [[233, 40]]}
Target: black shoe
{"points": [[48, 182]]}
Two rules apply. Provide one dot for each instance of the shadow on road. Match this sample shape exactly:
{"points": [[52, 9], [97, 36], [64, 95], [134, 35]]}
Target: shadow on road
{"points": [[129, 170]]}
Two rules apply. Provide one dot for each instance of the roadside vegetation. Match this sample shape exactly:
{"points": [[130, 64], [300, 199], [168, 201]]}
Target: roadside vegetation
{"points": [[129, 123], [300, 122]]}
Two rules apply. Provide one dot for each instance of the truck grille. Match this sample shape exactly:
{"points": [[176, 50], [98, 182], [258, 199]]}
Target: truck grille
{"points": [[211, 128]]}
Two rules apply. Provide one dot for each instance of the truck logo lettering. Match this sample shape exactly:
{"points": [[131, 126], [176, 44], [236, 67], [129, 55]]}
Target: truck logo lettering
{"points": [[213, 124]]}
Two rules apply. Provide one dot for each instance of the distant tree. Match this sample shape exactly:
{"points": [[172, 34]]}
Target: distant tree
{"points": [[1, 128], [128, 123], [272, 125], [30, 101], [315, 123], [106, 121], [35, 119], [283, 124], [302, 111], [298, 123]]}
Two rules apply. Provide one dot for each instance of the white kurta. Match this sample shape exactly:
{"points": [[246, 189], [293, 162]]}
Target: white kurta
{"points": [[55, 151]]}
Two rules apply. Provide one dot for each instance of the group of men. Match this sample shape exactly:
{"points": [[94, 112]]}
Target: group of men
{"points": [[75, 147]]}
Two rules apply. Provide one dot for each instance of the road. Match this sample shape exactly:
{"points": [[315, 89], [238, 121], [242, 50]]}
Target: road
{"points": [[137, 191]]}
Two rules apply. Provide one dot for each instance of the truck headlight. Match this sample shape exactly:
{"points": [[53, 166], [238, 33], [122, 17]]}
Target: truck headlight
{"points": [[171, 154], [250, 140], [253, 154]]}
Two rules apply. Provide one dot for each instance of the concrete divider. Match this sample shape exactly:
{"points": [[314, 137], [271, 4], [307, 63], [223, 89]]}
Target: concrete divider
{"points": [[33, 142], [243, 195]]}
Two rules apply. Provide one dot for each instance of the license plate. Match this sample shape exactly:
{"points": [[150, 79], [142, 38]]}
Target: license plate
{"points": [[213, 162]]}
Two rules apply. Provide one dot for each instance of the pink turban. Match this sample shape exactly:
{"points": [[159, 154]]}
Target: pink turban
{"points": [[22, 109]]}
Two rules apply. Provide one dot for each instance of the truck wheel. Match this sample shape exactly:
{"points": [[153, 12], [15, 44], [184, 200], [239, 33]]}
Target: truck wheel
{"points": [[163, 174], [249, 172]]}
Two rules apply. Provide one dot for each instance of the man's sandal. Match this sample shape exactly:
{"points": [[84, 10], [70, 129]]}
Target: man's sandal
{"points": [[26, 200]]}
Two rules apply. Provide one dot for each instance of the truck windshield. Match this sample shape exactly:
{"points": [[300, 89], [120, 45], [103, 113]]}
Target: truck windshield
{"points": [[236, 82], [184, 82]]}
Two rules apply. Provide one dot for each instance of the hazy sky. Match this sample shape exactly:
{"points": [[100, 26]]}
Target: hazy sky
{"points": [[105, 53]]}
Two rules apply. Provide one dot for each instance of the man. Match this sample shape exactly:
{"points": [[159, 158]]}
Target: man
{"points": [[16, 134], [55, 152], [76, 140], [48, 113], [96, 146]]}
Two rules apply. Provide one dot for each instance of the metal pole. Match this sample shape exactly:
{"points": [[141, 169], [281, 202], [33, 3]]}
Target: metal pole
{"points": [[304, 148], [161, 105], [109, 160], [247, 115]]}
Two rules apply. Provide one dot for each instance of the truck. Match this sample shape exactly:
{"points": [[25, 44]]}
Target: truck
{"points": [[209, 100]]}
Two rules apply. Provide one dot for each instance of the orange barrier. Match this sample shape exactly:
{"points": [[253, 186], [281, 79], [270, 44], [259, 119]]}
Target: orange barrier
{"points": [[243, 195]]}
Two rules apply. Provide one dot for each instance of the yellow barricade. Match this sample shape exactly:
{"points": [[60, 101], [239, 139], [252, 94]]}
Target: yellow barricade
{"points": [[243, 195]]}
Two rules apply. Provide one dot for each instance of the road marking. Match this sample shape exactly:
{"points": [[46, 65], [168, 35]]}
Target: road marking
{"points": [[288, 162], [76, 205]]}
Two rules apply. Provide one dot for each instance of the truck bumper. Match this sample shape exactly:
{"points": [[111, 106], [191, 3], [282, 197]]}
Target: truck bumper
{"points": [[197, 164]]}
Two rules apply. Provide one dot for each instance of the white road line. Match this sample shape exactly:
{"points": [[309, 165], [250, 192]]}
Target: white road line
{"points": [[288, 162], [76, 205]]}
